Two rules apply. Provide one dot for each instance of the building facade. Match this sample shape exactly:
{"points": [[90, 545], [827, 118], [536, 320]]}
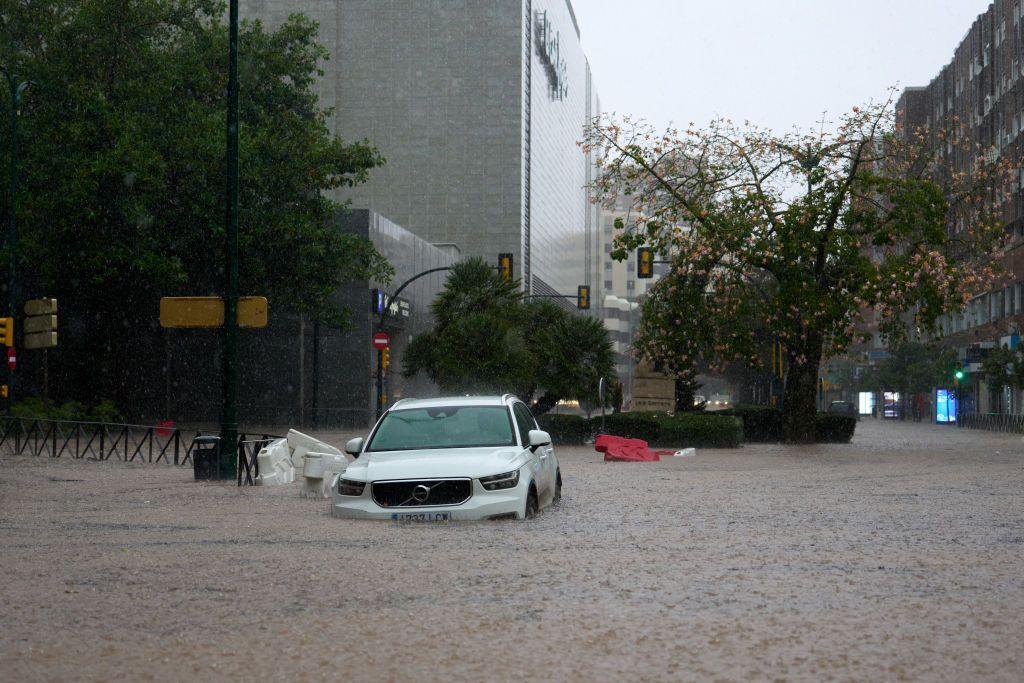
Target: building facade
{"points": [[478, 107], [982, 88], [621, 294]]}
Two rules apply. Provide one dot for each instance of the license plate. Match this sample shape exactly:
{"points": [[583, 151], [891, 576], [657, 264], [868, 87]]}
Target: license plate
{"points": [[421, 516]]}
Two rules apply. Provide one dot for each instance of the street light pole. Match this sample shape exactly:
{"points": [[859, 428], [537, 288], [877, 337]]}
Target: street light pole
{"points": [[12, 226], [229, 418], [385, 306]]}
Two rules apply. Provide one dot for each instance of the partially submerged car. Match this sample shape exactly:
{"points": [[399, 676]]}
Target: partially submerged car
{"points": [[470, 457]]}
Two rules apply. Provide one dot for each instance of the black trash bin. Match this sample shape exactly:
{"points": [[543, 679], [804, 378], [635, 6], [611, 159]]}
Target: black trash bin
{"points": [[206, 457]]}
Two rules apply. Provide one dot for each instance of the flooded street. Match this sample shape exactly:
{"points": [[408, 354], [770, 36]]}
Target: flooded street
{"points": [[897, 557]]}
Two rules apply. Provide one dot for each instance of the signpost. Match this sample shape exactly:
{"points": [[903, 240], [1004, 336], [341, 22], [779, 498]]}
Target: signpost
{"points": [[381, 341]]}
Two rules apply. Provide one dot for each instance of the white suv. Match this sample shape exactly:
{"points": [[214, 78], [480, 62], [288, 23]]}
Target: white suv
{"points": [[469, 457]]}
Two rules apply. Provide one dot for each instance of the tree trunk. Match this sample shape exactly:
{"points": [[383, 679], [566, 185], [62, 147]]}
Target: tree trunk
{"points": [[799, 405]]}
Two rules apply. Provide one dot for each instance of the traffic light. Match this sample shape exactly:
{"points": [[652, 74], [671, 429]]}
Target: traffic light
{"points": [[583, 297], [644, 263], [39, 330], [959, 374], [386, 357], [4, 391], [505, 266], [7, 331]]}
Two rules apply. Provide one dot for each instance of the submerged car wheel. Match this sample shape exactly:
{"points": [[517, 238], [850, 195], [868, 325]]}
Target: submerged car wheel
{"points": [[531, 504], [558, 488]]}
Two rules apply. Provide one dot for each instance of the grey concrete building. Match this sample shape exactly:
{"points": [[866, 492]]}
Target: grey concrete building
{"points": [[478, 106]]}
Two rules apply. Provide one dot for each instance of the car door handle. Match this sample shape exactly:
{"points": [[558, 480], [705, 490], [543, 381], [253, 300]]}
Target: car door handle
{"points": [[543, 455]]}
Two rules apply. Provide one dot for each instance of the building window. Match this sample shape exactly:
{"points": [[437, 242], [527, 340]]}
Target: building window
{"points": [[608, 285], [607, 265]]}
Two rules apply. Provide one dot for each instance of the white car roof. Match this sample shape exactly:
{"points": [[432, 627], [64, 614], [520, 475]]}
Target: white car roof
{"points": [[411, 403]]}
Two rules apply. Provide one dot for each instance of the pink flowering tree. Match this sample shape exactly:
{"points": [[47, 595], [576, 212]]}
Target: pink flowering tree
{"points": [[793, 237]]}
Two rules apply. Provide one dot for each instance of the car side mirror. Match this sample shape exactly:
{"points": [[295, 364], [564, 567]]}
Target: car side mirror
{"points": [[354, 447], [538, 438]]}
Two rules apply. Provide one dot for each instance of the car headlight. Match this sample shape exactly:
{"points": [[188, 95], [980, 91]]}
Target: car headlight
{"points": [[349, 487], [508, 480]]}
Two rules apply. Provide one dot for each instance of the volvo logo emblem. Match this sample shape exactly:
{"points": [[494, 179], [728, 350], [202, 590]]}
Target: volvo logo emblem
{"points": [[421, 493]]}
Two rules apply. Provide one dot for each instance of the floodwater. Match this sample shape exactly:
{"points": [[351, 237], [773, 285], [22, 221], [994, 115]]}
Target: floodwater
{"points": [[897, 557]]}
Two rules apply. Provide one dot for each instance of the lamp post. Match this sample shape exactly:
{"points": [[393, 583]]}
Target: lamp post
{"points": [[16, 88], [229, 417]]}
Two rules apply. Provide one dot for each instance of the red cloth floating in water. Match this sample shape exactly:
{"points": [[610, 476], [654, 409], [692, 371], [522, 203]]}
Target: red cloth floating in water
{"points": [[619, 449]]}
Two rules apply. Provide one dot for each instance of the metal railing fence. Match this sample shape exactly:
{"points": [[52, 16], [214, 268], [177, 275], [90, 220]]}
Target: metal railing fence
{"points": [[993, 422], [113, 441]]}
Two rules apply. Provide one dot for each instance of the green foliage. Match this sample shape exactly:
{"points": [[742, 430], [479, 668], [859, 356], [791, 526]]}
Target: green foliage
{"points": [[913, 367], [566, 430], [835, 428], [761, 424], [682, 430], [478, 344], [71, 411], [487, 340], [1001, 367], [633, 425], [122, 171], [571, 352], [700, 430]]}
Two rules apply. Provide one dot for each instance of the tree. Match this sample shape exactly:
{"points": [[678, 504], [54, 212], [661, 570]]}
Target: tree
{"points": [[122, 168], [1001, 368], [478, 343], [571, 354], [917, 368], [486, 339], [797, 234]]}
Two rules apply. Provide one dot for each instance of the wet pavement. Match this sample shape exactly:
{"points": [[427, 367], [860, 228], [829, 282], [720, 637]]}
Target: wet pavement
{"points": [[897, 557]]}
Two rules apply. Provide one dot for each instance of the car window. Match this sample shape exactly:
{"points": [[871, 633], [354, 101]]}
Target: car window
{"points": [[443, 427], [524, 421]]}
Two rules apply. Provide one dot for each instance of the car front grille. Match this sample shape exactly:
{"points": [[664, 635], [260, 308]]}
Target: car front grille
{"points": [[422, 492]]}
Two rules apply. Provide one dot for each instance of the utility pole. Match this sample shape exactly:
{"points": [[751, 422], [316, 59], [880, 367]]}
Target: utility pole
{"points": [[12, 226], [229, 418]]}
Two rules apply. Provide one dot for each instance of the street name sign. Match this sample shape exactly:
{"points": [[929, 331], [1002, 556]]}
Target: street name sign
{"points": [[208, 311]]}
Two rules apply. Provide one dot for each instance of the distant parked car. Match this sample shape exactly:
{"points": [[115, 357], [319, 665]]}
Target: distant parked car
{"points": [[843, 408], [719, 402], [699, 400]]}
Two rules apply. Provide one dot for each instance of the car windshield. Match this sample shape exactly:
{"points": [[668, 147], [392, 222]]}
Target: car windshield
{"points": [[443, 427]]}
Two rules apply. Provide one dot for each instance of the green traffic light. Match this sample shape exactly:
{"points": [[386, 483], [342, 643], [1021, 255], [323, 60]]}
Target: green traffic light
{"points": [[959, 374]]}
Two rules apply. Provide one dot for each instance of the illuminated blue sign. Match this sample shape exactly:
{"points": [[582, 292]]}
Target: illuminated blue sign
{"points": [[945, 406]]}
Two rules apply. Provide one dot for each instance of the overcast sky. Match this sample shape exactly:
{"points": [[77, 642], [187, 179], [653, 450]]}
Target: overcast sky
{"points": [[774, 62]]}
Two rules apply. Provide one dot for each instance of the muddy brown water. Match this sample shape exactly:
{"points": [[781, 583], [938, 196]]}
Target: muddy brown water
{"points": [[897, 557]]}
